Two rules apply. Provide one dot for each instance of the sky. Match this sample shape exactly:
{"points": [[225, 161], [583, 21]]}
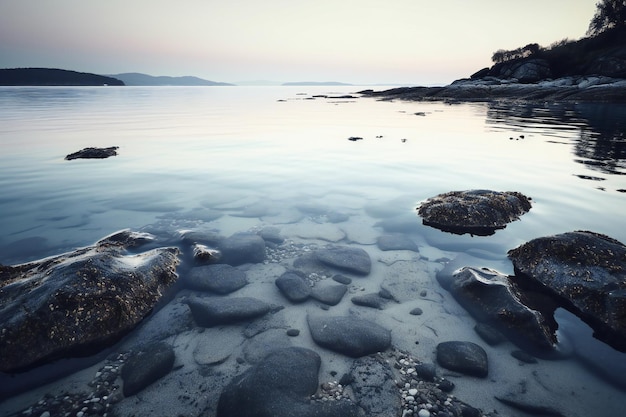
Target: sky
{"points": [[413, 42]]}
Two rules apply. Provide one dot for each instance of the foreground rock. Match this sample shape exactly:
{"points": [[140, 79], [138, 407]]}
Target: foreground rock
{"points": [[372, 382], [146, 366], [584, 272], [350, 336], [86, 299], [465, 357], [242, 248], [209, 312], [93, 153], [280, 386], [218, 278], [478, 212], [491, 298]]}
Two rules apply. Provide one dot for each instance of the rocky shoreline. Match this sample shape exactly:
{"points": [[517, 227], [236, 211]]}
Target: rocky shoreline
{"points": [[566, 89]]}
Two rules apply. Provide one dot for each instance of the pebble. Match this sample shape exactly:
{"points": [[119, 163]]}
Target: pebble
{"points": [[423, 413]]}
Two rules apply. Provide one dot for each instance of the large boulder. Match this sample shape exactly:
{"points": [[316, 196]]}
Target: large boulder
{"points": [[86, 299], [478, 212], [279, 386], [585, 272], [491, 298]]}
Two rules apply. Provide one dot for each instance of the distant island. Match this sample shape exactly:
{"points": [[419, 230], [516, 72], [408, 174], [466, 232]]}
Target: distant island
{"points": [[138, 79], [314, 83], [52, 77]]}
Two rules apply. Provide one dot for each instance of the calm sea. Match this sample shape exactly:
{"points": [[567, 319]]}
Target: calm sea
{"points": [[273, 150]]}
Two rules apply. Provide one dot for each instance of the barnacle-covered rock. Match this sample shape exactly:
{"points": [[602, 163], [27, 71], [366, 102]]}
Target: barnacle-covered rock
{"points": [[79, 301], [478, 212], [585, 272]]}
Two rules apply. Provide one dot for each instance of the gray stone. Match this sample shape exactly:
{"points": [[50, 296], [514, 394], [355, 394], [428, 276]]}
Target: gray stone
{"points": [[372, 382], [271, 234], [280, 386], [350, 336], [146, 366], [354, 260], [477, 212], [372, 300], [87, 298], [242, 248], [328, 293], [464, 357], [342, 279], [218, 278], [293, 286], [209, 312]]}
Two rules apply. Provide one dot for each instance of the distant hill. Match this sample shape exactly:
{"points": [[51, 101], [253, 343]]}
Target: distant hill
{"points": [[53, 77], [314, 83], [138, 79]]}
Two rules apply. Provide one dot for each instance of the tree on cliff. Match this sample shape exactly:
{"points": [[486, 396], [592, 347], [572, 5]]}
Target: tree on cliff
{"points": [[610, 14]]}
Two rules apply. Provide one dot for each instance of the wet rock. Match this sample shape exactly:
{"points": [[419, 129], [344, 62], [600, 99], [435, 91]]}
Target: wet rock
{"points": [[490, 298], [146, 366], [350, 336], [584, 272], [478, 212], [205, 254], [372, 300], [416, 311], [372, 382], [243, 248], [426, 371], [464, 357], [209, 312], [280, 386], [93, 153], [396, 242], [328, 293], [293, 286], [83, 300], [354, 260], [218, 278], [342, 279]]}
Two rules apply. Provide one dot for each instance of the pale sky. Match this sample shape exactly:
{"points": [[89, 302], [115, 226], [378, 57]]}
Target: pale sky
{"points": [[354, 41]]}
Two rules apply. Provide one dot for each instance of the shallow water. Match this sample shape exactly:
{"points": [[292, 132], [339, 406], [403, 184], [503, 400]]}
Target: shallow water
{"points": [[263, 156]]}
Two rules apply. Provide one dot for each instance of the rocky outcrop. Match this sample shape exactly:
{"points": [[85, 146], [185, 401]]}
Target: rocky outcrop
{"points": [[478, 212], [584, 272], [86, 299], [93, 153]]}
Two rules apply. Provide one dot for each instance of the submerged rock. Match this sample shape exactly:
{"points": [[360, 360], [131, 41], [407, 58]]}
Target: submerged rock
{"points": [[93, 153], [372, 382], [209, 312], [83, 300], [279, 386], [584, 272], [465, 357], [478, 212], [293, 286], [242, 248], [351, 336], [218, 278], [146, 366], [354, 260]]}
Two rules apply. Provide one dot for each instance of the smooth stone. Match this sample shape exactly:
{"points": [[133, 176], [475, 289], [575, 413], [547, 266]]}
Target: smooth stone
{"points": [[293, 286], [328, 293], [353, 260], [342, 279], [260, 345], [218, 278], [209, 312], [372, 300], [293, 332], [426, 371], [280, 386], [416, 311], [242, 248], [88, 298], [351, 336], [464, 357], [372, 382], [146, 366], [396, 242]]}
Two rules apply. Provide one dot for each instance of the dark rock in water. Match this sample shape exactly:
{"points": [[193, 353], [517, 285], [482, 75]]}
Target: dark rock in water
{"points": [[489, 297], [218, 278], [280, 386], [489, 334], [354, 260], [446, 385], [144, 367], [204, 254], [93, 153], [416, 311], [426, 371], [464, 357], [396, 242], [372, 382], [243, 248], [342, 279], [329, 294], [478, 212], [585, 272], [351, 336], [372, 300], [209, 312], [293, 332], [293, 286], [79, 301]]}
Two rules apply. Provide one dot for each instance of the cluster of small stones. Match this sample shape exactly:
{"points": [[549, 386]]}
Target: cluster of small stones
{"points": [[422, 398], [105, 392], [330, 391], [286, 251]]}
